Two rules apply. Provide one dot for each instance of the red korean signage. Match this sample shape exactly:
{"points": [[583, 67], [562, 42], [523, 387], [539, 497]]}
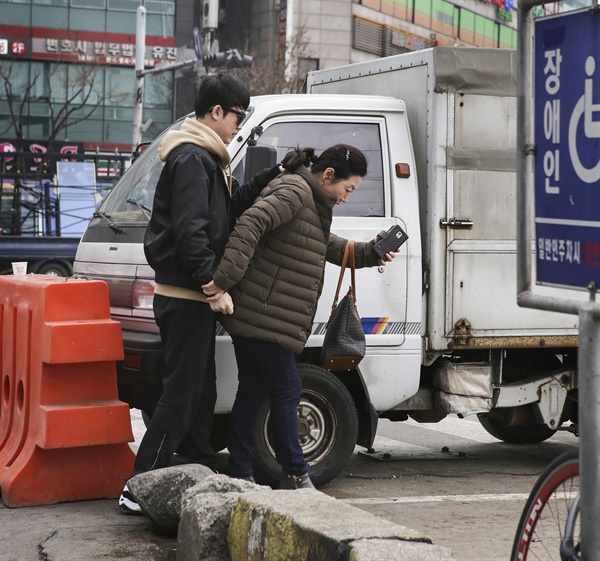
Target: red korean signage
{"points": [[82, 46], [15, 47], [31, 154]]}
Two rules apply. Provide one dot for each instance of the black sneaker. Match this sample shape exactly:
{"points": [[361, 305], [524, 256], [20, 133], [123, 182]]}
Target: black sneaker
{"points": [[127, 502], [289, 481]]}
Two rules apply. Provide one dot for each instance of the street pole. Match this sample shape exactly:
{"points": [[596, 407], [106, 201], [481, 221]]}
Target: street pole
{"points": [[140, 53], [589, 428]]}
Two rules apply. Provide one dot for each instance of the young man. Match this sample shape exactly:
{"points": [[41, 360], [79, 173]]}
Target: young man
{"points": [[195, 206]]}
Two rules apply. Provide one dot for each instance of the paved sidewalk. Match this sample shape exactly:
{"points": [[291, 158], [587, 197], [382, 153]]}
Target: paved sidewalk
{"points": [[82, 531]]}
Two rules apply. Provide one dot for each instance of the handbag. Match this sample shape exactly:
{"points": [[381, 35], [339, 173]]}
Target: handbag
{"points": [[344, 343]]}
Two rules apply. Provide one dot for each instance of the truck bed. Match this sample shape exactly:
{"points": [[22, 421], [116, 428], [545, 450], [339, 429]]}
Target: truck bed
{"points": [[461, 106]]}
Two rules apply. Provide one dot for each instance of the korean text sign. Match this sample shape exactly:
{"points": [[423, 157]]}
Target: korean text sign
{"points": [[567, 138]]}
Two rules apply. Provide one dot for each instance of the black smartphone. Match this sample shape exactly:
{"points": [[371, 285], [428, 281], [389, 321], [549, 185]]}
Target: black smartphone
{"points": [[390, 241]]}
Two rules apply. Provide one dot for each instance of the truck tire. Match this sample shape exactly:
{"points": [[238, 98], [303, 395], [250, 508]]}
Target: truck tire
{"points": [[515, 425], [54, 268], [328, 427]]}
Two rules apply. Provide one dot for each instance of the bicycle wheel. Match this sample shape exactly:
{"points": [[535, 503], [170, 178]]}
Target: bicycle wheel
{"points": [[542, 525]]}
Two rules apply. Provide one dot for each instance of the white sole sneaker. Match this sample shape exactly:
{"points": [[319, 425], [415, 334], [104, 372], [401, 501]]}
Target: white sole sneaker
{"points": [[127, 503]]}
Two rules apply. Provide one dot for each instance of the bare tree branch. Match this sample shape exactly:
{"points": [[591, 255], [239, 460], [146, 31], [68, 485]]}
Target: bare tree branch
{"points": [[83, 85], [16, 114], [282, 75], [83, 91]]}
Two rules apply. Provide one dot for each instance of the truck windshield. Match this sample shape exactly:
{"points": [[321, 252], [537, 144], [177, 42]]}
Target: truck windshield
{"points": [[132, 197]]}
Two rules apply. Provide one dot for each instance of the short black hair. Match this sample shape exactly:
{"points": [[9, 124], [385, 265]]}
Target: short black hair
{"points": [[221, 89]]}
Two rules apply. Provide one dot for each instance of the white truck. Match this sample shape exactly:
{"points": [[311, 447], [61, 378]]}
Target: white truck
{"points": [[443, 329]]}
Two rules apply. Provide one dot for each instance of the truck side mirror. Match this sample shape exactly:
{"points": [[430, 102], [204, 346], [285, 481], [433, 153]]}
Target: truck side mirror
{"points": [[258, 157]]}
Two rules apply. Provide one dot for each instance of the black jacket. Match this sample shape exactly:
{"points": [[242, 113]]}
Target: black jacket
{"points": [[193, 215]]}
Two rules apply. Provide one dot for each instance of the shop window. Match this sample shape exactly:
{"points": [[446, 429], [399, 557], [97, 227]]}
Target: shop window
{"points": [[50, 16], [37, 127], [14, 73], [89, 130], [121, 22], [118, 132], [486, 32], [101, 4], [423, 13], [158, 91], [15, 14], [466, 31], [85, 84], [39, 109], [87, 20], [444, 18], [387, 6], [119, 113], [124, 5], [86, 112], [160, 25], [165, 8], [119, 86], [508, 37], [403, 9]]}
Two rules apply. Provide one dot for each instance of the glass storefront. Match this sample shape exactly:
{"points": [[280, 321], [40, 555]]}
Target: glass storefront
{"points": [[73, 69]]}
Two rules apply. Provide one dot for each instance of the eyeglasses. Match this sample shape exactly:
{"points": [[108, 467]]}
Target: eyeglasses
{"points": [[241, 115]]}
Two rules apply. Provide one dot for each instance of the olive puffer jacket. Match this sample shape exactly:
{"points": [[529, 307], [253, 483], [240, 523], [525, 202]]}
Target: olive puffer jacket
{"points": [[274, 261]]}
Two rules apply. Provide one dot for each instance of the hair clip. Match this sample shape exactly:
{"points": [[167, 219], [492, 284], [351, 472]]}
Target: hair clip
{"points": [[347, 155]]}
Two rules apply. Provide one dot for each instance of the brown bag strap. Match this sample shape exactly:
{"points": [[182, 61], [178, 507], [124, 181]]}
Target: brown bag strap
{"points": [[348, 258]]}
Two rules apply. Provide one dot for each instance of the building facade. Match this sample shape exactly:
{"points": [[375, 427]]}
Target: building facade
{"points": [[67, 70], [67, 66], [338, 32]]}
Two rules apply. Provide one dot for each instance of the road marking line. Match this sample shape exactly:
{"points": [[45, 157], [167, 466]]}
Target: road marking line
{"points": [[440, 499]]}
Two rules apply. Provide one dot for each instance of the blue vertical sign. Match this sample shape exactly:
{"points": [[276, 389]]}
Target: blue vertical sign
{"points": [[567, 137]]}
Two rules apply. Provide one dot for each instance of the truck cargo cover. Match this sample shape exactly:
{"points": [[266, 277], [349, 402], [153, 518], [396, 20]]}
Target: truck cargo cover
{"points": [[460, 70]]}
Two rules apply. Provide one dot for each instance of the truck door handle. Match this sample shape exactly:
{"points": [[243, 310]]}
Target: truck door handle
{"points": [[456, 223]]}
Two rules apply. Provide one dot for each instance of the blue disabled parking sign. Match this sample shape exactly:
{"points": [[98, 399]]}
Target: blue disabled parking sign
{"points": [[567, 137]]}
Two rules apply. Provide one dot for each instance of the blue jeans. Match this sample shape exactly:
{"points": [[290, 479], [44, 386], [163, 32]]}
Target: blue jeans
{"points": [[265, 369]]}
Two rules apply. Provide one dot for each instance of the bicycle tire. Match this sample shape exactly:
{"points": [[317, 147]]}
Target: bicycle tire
{"points": [[542, 524]]}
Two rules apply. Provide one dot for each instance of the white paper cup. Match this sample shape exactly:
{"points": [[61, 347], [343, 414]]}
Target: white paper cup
{"points": [[19, 268]]}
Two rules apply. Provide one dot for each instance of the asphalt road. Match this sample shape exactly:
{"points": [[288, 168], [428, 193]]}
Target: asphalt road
{"points": [[449, 480]]}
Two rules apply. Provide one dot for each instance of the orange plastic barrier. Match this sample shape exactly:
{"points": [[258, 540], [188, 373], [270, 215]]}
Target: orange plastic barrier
{"points": [[63, 431]]}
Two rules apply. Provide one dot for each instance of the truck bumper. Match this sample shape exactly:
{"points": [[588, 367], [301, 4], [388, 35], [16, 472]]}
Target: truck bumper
{"points": [[139, 375]]}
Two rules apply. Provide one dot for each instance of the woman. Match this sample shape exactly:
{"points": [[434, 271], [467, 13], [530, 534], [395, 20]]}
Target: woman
{"points": [[273, 268]]}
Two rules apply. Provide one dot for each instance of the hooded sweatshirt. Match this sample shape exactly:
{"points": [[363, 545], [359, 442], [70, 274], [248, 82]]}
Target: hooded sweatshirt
{"points": [[194, 209]]}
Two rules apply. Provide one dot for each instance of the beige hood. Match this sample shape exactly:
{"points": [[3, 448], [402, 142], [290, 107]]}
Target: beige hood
{"points": [[195, 133]]}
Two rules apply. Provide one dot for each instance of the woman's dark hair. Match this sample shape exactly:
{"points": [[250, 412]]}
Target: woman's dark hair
{"points": [[221, 89], [345, 160]]}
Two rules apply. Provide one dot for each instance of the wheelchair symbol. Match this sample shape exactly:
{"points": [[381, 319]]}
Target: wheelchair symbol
{"points": [[591, 128]]}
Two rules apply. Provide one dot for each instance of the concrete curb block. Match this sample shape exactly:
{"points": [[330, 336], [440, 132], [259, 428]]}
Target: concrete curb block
{"points": [[217, 518], [284, 525]]}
